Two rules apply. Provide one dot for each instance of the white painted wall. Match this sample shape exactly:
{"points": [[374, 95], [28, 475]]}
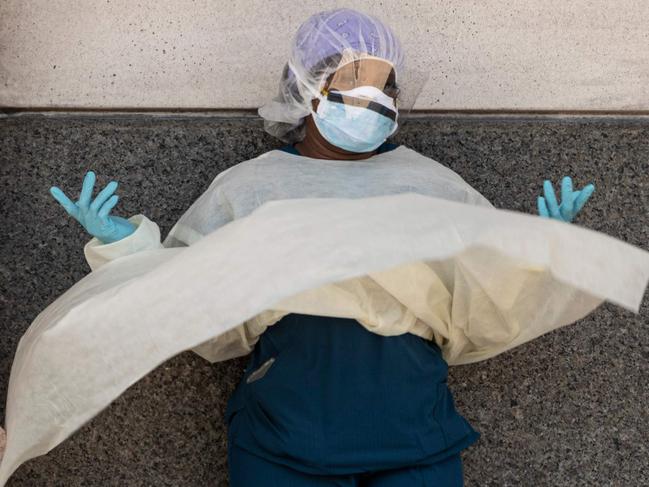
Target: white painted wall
{"points": [[482, 54]]}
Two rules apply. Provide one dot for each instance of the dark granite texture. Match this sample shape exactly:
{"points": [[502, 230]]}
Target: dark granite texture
{"points": [[567, 409]]}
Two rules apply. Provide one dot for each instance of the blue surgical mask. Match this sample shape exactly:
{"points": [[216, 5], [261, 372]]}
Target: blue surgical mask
{"points": [[356, 128]]}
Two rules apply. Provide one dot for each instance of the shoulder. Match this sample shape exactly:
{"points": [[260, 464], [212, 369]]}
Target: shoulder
{"points": [[387, 147], [289, 148]]}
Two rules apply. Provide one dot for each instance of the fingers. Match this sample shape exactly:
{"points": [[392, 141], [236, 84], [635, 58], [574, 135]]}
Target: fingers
{"points": [[109, 205], [583, 196], [86, 190], [566, 188], [103, 195], [567, 198], [64, 201], [542, 207], [551, 199]]}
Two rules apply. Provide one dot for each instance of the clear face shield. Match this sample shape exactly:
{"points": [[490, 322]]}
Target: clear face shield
{"points": [[362, 99]]}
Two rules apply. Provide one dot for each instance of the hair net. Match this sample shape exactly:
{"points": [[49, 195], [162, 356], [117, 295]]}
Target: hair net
{"points": [[323, 43]]}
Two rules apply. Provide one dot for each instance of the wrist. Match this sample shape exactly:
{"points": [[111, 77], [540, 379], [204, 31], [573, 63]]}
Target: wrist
{"points": [[120, 230]]}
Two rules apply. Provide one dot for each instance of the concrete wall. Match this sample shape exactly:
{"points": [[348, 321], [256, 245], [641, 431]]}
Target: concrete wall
{"points": [[480, 55]]}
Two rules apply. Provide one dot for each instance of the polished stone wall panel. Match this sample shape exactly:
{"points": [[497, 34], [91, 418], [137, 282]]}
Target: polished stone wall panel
{"points": [[567, 409]]}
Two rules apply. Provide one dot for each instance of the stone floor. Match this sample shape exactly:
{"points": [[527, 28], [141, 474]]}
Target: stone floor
{"points": [[567, 409]]}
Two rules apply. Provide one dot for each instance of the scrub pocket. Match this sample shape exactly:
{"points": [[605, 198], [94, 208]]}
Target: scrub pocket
{"points": [[262, 360]]}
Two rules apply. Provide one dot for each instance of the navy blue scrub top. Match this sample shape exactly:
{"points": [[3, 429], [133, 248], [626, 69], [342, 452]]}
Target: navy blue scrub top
{"points": [[324, 395]]}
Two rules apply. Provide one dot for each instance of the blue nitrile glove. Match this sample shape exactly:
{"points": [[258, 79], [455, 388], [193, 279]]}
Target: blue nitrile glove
{"points": [[571, 201], [94, 216]]}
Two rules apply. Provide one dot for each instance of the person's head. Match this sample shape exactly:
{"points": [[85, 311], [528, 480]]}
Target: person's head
{"points": [[342, 75]]}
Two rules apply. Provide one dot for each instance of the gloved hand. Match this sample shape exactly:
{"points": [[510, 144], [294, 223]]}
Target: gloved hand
{"points": [[571, 201], [94, 217]]}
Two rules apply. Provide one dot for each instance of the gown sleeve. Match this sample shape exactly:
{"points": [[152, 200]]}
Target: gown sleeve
{"points": [[191, 227], [235, 342], [145, 237]]}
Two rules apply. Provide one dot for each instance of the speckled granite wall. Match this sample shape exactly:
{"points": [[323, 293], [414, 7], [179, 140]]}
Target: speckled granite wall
{"points": [[568, 409]]}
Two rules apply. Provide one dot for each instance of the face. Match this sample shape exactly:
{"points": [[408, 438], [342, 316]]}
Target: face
{"points": [[356, 109]]}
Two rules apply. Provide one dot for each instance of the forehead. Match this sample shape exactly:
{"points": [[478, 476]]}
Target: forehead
{"points": [[370, 71]]}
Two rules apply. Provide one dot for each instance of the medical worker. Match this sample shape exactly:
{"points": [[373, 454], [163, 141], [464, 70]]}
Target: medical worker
{"points": [[344, 406]]}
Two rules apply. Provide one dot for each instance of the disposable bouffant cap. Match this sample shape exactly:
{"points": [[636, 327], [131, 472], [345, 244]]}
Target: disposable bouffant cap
{"points": [[318, 47]]}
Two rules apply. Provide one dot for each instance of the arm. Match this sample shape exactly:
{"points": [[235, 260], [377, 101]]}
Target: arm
{"points": [[146, 236], [113, 236]]}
